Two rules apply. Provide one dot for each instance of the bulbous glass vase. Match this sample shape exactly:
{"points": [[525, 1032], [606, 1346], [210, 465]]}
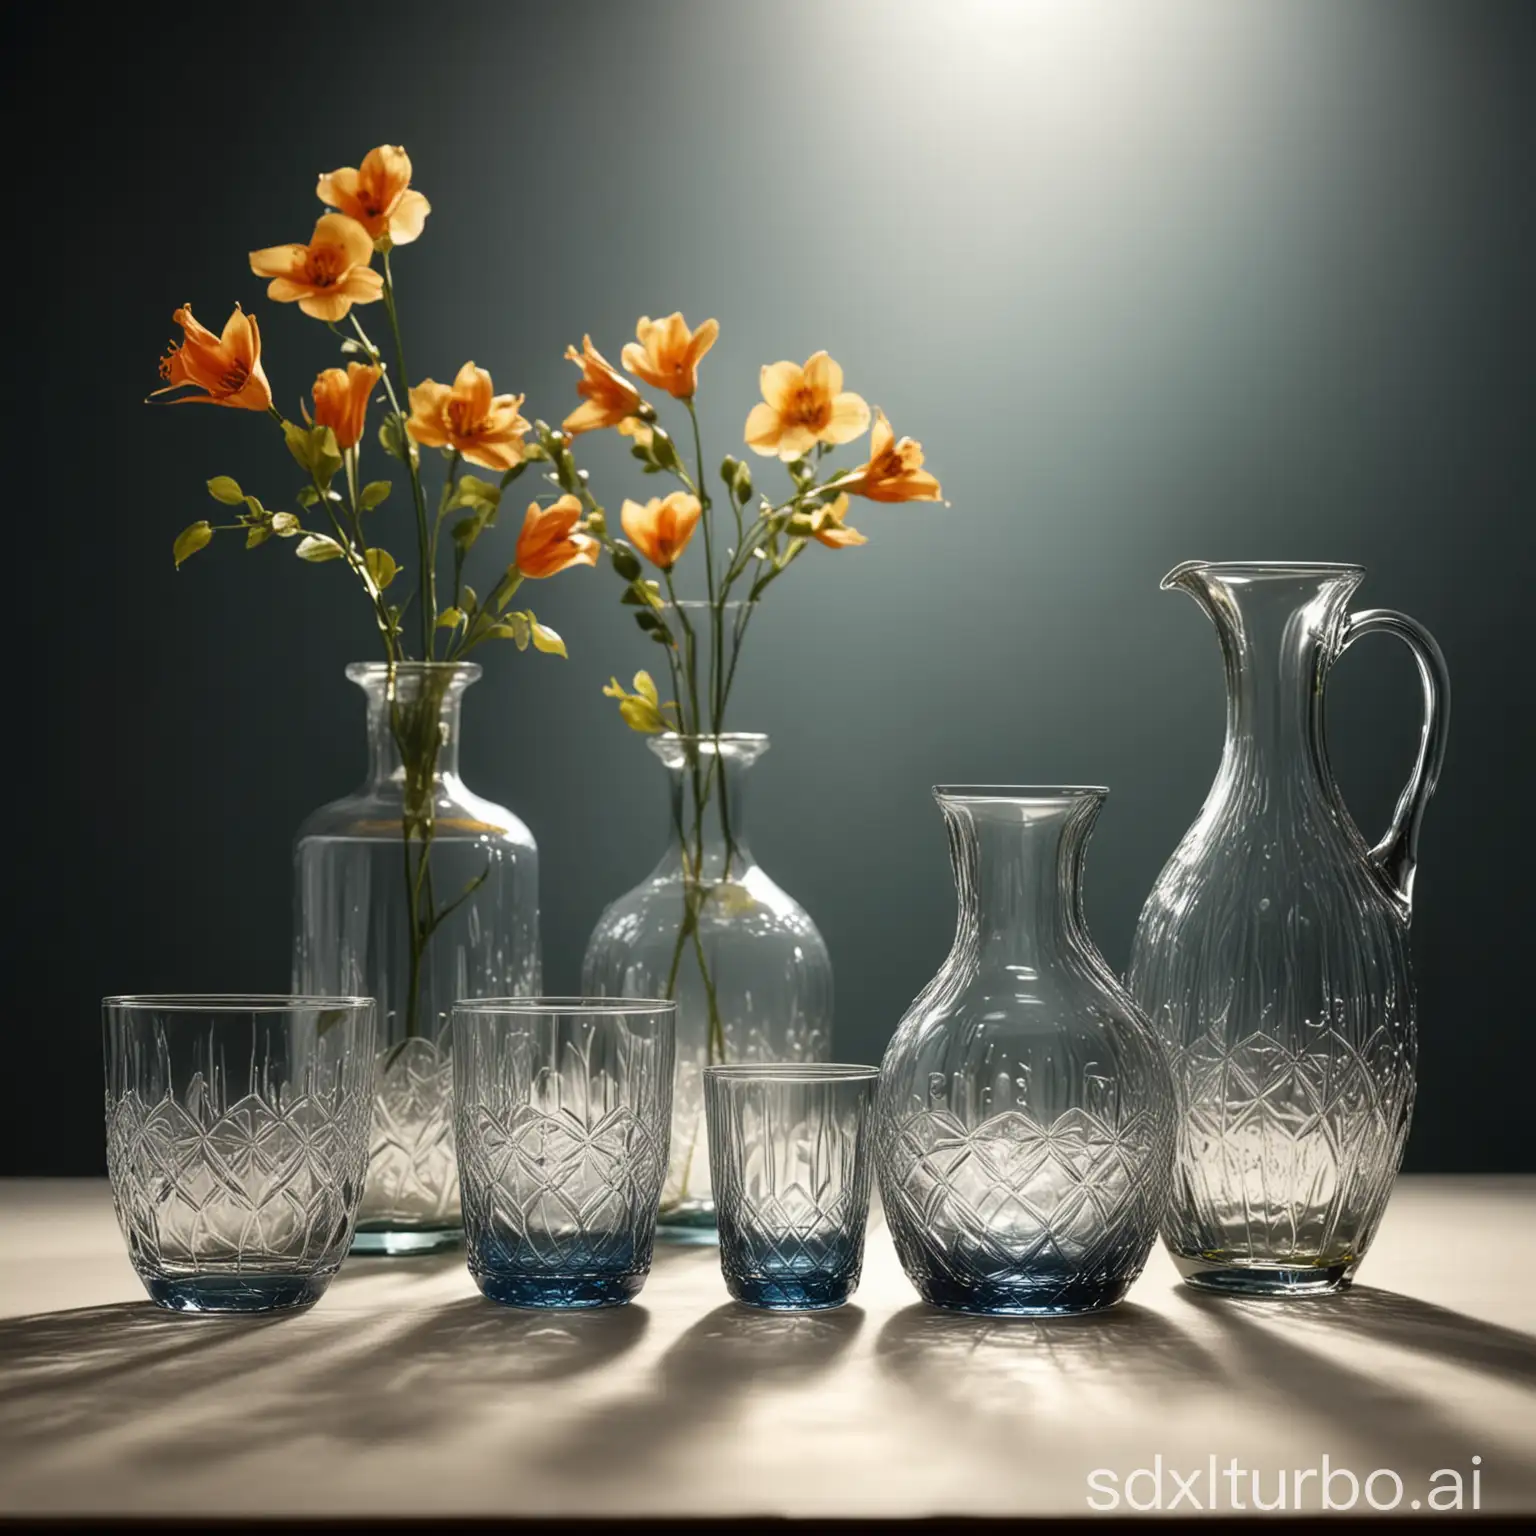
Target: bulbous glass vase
{"points": [[1272, 954], [416, 892], [1026, 1115], [707, 927]]}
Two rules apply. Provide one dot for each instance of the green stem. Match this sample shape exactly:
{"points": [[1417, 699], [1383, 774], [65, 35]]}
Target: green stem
{"points": [[427, 584]]}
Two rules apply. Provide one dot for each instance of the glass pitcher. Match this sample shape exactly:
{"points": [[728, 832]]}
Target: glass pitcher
{"points": [[1272, 955]]}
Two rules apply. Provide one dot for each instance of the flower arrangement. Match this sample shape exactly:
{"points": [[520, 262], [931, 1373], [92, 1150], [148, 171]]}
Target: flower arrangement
{"points": [[372, 211], [746, 540]]}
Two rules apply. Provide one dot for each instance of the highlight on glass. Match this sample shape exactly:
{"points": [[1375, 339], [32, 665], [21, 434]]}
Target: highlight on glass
{"points": [[237, 1143], [562, 1111], [790, 1164]]}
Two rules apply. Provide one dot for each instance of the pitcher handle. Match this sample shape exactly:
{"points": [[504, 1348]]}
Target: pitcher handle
{"points": [[1396, 856]]}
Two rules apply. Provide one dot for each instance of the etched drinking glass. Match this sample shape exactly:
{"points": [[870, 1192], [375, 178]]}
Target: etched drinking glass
{"points": [[562, 1111], [237, 1143], [790, 1167]]}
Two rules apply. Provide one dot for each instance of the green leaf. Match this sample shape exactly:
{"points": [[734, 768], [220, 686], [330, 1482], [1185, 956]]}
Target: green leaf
{"points": [[298, 445], [257, 535], [469, 599], [381, 566], [258, 512], [545, 639], [395, 441], [374, 493], [647, 620], [284, 524], [222, 488], [466, 531], [522, 628], [317, 548], [471, 491], [645, 686], [626, 562], [451, 618], [190, 540]]}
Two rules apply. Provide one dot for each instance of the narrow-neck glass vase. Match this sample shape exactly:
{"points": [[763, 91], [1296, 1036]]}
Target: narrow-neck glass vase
{"points": [[416, 892], [1025, 1122], [707, 926], [1272, 955]]}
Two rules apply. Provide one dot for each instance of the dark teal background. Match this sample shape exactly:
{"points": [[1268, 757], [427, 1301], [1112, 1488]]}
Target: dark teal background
{"points": [[1223, 279]]}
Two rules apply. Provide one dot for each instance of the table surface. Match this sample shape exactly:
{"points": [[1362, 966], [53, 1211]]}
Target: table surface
{"points": [[404, 1392]]}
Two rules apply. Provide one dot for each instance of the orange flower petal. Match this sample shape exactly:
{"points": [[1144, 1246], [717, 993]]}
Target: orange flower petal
{"points": [[279, 260], [822, 375], [346, 235], [779, 381], [850, 418], [409, 218], [763, 429]]}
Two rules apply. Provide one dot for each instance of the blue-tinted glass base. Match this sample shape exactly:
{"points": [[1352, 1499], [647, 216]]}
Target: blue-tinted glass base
{"points": [[791, 1274], [1244, 1279], [401, 1242], [804, 1293], [1026, 1296], [566, 1292], [598, 1270], [236, 1293]]}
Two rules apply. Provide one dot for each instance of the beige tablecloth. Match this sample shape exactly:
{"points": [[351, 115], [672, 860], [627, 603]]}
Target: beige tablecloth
{"points": [[403, 1392]]}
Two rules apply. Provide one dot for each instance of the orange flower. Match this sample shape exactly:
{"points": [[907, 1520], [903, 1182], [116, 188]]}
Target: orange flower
{"points": [[341, 401], [660, 529], [829, 528], [802, 407], [642, 432], [609, 396], [327, 276], [485, 428], [377, 195], [549, 544], [226, 368], [895, 470], [668, 353]]}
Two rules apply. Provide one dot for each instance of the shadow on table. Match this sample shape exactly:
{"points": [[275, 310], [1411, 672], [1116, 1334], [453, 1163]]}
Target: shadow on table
{"points": [[725, 1358], [1296, 1351], [66, 1373], [957, 1362], [1385, 1317], [371, 1381]]}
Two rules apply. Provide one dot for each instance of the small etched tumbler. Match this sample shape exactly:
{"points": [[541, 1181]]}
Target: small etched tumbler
{"points": [[237, 1142], [790, 1166], [1026, 1122], [562, 1110]]}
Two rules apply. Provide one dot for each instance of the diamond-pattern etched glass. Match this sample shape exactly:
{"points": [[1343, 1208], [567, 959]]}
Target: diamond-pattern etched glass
{"points": [[562, 1108], [1026, 1114], [789, 1159], [1272, 955], [237, 1142]]}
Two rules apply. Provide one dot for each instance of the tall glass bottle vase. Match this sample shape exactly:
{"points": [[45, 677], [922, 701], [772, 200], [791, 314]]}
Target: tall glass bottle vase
{"points": [[1272, 955], [707, 927], [416, 892]]}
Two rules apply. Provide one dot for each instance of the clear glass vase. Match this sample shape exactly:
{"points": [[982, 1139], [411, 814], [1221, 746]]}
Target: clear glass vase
{"points": [[416, 892], [1272, 955], [1025, 1125], [744, 961]]}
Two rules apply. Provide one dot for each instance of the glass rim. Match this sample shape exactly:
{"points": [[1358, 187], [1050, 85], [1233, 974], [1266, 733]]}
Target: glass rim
{"points": [[790, 1072], [234, 1002], [730, 738], [555, 1007], [357, 671], [703, 604], [1265, 568], [1029, 793]]}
